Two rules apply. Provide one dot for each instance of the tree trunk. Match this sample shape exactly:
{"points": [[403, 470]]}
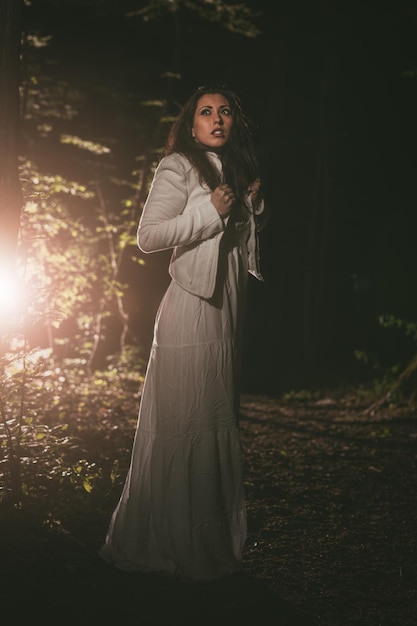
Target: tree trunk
{"points": [[11, 199], [318, 258], [318, 237]]}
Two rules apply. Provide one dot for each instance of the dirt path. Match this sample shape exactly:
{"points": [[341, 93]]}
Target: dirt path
{"points": [[332, 502]]}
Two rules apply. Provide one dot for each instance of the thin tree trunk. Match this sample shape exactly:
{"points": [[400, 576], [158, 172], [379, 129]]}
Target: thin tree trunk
{"points": [[10, 190], [317, 256]]}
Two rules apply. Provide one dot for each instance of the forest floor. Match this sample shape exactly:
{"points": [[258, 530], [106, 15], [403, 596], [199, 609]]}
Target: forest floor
{"points": [[332, 503]]}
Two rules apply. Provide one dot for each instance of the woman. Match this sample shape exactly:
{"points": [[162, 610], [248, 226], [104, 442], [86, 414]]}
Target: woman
{"points": [[182, 510]]}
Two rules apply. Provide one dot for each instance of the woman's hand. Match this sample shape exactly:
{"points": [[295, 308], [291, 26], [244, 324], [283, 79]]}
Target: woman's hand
{"points": [[222, 198], [253, 189]]}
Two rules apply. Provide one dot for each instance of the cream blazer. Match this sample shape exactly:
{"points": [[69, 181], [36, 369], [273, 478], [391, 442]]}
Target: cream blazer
{"points": [[179, 214]]}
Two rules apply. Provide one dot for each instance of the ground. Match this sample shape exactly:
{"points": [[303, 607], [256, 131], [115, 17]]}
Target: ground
{"points": [[331, 499]]}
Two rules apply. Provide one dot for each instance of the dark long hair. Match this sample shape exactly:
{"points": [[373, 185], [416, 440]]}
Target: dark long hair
{"points": [[240, 163]]}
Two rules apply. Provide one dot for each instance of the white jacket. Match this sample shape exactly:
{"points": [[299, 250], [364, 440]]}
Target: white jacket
{"points": [[179, 214]]}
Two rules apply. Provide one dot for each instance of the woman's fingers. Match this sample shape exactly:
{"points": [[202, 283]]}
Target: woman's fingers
{"points": [[223, 198]]}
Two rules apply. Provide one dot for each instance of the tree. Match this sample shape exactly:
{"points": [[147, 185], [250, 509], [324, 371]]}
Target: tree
{"points": [[10, 192]]}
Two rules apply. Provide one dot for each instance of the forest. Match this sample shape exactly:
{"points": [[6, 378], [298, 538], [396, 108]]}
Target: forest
{"points": [[88, 92]]}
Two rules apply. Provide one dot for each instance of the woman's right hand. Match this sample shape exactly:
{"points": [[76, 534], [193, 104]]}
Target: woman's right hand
{"points": [[223, 198]]}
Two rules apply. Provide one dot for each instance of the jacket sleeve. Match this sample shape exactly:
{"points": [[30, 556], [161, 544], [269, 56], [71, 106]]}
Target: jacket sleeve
{"points": [[164, 224]]}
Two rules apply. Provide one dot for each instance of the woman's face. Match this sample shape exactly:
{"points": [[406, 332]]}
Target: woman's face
{"points": [[212, 121]]}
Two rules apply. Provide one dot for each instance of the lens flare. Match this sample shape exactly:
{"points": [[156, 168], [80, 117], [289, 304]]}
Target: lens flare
{"points": [[12, 294]]}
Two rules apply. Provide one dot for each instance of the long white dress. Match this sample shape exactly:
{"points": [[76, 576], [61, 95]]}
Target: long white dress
{"points": [[182, 510]]}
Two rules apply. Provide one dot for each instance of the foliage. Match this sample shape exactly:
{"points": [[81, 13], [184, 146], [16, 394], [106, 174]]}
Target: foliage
{"points": [[408, 327], [236, 17], [76, 238], [45, 411], [77, 244], [69, 264], [393, 357]]}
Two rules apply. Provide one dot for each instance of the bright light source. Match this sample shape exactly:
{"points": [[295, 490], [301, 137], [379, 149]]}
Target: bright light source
{"points": [[12, 294]]}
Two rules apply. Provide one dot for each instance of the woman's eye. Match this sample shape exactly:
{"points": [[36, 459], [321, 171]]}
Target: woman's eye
{"points": [[208, 111]]}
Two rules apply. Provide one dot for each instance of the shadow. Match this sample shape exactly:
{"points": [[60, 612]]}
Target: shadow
{"points": [[54, 579], [239, 599]]}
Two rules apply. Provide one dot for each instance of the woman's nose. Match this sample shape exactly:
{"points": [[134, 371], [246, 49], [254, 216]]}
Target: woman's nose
{"points": [[218, 119]]}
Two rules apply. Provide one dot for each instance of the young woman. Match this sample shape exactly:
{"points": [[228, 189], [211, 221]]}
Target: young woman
{"points": [[182, 510]]}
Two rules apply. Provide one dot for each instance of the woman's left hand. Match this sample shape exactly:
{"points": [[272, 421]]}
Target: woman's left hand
{"points": [[254, 188]]}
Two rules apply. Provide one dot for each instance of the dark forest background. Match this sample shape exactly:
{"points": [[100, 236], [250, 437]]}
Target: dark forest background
{"points": [[332, 88]]}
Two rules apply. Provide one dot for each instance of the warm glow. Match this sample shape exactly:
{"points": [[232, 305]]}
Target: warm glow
{"points": [[11, 294]]}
